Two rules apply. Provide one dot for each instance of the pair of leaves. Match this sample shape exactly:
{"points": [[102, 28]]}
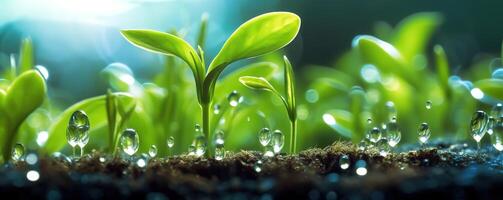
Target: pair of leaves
{"points": [[24, 95], [260, 83], [260, 35]]}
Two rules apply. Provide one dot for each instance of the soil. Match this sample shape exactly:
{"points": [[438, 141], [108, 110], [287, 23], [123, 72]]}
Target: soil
{"points": [[443, 171]]}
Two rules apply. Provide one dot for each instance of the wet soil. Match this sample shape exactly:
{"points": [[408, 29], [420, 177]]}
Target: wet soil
{"points": [[444, 171]]}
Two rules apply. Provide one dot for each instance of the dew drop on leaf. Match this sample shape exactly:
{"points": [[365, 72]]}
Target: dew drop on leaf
{"points": [[234, 98], [478, 125], [393, 133], [129, 141], [216, 109]]}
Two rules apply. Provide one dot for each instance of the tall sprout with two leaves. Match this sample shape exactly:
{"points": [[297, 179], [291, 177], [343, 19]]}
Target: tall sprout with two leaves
{"points": [[260, 83], [257, 36]]}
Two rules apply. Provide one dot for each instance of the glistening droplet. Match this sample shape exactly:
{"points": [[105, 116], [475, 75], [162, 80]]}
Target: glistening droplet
{"points": [[278, 140], [393, 133], [219, 137], [374, 135], [423, 133], [497, 135], [428, 104], [383, 147], [497, 111], [17, 152], [170, 142], [219, 152], [200, 145], [478, 125], [152, 151], [264, 136], [234, 98], [129, 141], [344, 162]]}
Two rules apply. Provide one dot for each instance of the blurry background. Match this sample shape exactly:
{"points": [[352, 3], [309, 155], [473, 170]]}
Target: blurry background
{"points": [[78, 38]]}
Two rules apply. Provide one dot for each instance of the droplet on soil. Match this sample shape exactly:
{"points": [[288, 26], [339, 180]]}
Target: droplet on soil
{"points": [[264, 136], [278, 140], [344, 162], [129, 141], [152, 151]]}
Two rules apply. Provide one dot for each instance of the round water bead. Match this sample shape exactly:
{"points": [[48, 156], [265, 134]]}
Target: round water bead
{"points": [[129, 141], [72, 136], [383, 147], [79, 119], [200, 145], [391, 110], [219, 152], [497, 135], [192, 150], [216, 109], [428, 104], [497, 111], [374, 135], [219, 137], [278, 140], [77, 130], [234, 98], [344, 162], [170, 142], [17, 152], [152, 151], [478, 125], [423, 132], [197, 128], [264, 136], [393, 133]]}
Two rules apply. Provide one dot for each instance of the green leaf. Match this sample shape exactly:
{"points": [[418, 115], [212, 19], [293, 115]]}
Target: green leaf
{"points": [[257, 36], [168, 44], [378, 52], [260, 35], [491, 87], [442, 67], [111, 108], [26, 60], [25, 94], [290, 89], [119, 76], [201, 36], [413, 33], [257, 83], [340, 121], [357, 103]]}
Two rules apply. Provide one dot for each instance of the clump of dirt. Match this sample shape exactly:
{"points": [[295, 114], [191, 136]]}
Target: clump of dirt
{"points": [[311, 174]]}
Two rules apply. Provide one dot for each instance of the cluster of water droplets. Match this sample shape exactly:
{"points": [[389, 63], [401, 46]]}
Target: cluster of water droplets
{"points": [[219, 145], [492, 124], [77, 132]]}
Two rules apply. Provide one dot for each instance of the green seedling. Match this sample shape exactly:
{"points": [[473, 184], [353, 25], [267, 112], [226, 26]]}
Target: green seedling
{"points": [[258, 36], [260, 83], [22, 97]]}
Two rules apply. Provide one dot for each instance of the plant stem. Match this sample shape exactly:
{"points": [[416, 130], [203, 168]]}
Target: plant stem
{"points": [[206, 126], [293, 136]]}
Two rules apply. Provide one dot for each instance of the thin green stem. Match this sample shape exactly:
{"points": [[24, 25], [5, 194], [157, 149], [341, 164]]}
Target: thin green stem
{"points": [[206, 126], [293, 138]]}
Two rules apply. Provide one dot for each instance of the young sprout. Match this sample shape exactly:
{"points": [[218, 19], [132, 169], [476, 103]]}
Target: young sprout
{"points": [[260, 83], [258, 36]]}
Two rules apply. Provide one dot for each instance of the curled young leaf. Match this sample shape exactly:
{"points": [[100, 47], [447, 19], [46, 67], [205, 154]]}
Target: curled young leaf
{"points": [[26, 60], [290, 89], [257, 83]]}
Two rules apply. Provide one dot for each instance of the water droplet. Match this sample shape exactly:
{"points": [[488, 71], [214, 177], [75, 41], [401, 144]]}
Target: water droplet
{"points": [[31, 158], [478, 125], [278, 140], [171, 142], [219, 152], [77, 130], [129, 141], [428, 104], [200, 145], [383, 147], [393, 133], [17, 152], [362, 146], [141, 162], [152, 151], [264, 136], [219, 137], [344, 162], [197, 128], [497, 74], [477, 93], [374, 135], [32, 175], [423, 132], [234, 98], [361, 168], [497, 136], [258, 166], [102, 159], [497, 111], [42, 137], [192, 150], [392, 113], [216, 109], [369, 121], [490, 125]]}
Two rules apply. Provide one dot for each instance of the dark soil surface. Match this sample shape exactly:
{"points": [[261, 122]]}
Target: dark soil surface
{"points": [[441, 172]]}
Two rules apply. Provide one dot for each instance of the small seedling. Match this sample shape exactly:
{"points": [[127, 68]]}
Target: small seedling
{"points": [[261, 83], [258, 36]]}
